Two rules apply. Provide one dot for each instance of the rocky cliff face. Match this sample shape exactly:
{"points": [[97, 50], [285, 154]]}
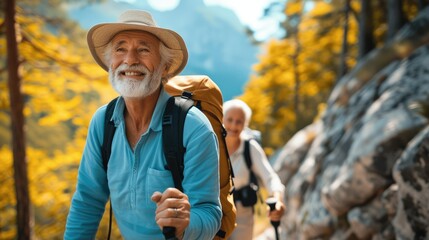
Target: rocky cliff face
{"points": [[362, 170]]}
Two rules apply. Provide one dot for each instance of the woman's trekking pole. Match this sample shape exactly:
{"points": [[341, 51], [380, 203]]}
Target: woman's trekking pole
{"points": [[271, 202], [169, 233]]}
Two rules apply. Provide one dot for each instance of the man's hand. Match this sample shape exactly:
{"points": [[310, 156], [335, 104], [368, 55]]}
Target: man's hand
{"points": [[173, 210]]}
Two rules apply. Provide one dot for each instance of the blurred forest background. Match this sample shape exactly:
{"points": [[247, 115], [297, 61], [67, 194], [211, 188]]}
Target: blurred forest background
{"points": [[50, 87]]}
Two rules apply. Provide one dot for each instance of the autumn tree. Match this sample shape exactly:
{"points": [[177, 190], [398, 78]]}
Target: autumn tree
{"points": [[17, 123], [366, 28], [62, 86], [308, 58], [296, 74], [395, 17], [344, 46]]}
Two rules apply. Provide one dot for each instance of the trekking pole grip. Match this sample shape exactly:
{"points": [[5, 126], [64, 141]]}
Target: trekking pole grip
{"points": [[271, 202]]}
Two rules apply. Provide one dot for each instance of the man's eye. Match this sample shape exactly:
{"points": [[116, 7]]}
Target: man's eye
{"points": [[120, 49], [143, 50]]}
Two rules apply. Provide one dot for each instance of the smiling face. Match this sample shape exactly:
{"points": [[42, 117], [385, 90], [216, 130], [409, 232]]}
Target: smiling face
{"points": [[234, 121], [135, 64]]}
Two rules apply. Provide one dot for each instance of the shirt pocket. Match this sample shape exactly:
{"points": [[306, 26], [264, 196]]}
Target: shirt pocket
{"points": [[157, 180]]}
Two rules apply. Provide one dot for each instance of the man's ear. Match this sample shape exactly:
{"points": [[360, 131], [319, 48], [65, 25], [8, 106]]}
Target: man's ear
{"points": [[165, 72]]}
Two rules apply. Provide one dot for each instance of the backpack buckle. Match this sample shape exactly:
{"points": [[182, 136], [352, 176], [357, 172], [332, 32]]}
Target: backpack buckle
{"points": [[167, 120], [187, 95]]}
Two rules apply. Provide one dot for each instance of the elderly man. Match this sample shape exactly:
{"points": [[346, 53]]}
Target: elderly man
{"points": [[138, 56]]}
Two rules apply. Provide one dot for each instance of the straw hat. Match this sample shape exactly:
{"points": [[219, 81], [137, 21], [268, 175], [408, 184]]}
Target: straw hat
{"points": [[100, 35]]}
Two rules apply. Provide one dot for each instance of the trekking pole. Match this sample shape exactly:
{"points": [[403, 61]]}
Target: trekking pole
{"points": [[169, 233], [271, 202]]}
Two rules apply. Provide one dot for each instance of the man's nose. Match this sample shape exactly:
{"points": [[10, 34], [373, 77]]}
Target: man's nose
{"points": [[131, 58]]}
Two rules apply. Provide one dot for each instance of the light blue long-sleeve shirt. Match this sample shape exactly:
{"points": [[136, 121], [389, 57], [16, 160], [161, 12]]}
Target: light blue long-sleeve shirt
{"points": [[133, 176]]}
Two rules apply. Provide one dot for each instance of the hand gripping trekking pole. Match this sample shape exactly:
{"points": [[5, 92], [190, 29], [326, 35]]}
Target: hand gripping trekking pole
{"points": [[169, 233], [271, 202]]}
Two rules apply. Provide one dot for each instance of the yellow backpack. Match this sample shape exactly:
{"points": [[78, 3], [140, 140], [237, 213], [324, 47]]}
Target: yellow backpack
{"points": [[203, 93]]}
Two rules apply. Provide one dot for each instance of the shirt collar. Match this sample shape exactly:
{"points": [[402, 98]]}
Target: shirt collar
{"points": [[156, 121]]}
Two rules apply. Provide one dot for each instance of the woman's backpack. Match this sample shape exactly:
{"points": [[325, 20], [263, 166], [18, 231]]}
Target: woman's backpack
{"points": [[248, 195]]}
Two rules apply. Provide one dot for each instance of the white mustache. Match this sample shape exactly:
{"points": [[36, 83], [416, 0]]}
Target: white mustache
{"points": [[134, 68]]}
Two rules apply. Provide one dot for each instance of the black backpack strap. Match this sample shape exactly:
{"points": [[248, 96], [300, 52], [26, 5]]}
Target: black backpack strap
{"points": [[106, 148], [248, 161], [247, 154], [109, 131], [231, 175], [173, 122]]}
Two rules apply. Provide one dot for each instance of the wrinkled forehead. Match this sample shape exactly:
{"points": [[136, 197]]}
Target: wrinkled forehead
{"points": [[139, 35]]}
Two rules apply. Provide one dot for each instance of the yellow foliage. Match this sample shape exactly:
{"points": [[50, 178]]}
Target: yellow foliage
{"points": [[7, 199], [320, 8], [51, 183], [293, 8], [2, 45], [302, 67], [62, 87]]}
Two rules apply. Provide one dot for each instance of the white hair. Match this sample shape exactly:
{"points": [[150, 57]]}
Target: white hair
{"points": [[168, 57], [238, 104]]}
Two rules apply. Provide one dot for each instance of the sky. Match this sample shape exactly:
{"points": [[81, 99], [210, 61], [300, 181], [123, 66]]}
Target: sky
{"points": [[249, 12]]}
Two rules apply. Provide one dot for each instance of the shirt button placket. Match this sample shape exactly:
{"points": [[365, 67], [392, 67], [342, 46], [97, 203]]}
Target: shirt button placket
{"points": [[133, 185]]}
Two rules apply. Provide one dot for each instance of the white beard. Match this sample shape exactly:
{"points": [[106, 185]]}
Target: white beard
{"points": [[129, 87]]}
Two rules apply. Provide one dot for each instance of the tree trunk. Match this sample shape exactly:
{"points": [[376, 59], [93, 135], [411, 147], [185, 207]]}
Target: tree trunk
{"points": [[366, 29], [395, 18], [421, 4], [17, 126], [412, 36], [344, 48], [297, 87]]}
